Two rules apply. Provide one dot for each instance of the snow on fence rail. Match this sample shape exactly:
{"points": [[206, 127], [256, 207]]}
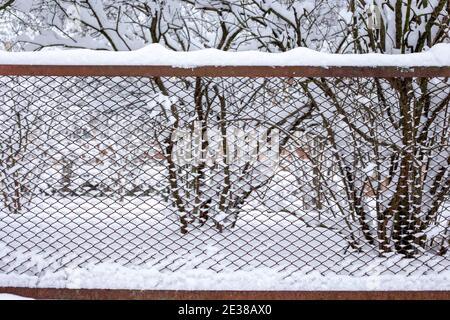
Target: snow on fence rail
{"points": [[288, 172]]}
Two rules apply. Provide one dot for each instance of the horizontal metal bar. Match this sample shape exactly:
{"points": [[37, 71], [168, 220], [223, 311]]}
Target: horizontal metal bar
{"points": [[222, 71], [52, 293]]}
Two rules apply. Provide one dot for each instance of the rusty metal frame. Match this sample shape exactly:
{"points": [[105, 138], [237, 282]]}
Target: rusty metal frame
{"points": [[222, 71], [119, 294]]}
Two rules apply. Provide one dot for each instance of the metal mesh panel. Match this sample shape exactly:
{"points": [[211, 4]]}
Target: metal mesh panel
{"points": [[336, 175]]}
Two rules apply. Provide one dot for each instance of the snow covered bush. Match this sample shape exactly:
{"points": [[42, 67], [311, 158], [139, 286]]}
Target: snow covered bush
{"points": [[102, 139], [235, 129], [389, 139], [22, 140]]}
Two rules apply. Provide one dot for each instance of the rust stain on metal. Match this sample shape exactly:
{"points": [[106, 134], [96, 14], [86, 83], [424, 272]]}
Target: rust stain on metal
{"points": [[116, 294], [222, 71]]}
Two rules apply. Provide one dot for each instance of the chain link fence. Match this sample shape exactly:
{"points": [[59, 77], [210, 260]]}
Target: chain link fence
{"points": [[337, 175]]}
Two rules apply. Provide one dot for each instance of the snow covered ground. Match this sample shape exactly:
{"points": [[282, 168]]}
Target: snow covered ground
{"points": [[156, 54], [136, 244], [115, 276]]}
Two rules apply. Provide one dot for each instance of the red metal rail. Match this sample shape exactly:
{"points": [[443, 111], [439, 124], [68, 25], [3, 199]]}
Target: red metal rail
{"points": [[113, 294], [222, 71]]}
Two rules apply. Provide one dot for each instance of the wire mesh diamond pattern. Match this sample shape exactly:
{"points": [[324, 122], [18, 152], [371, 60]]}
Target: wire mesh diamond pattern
{"points": [[335, 175]]}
